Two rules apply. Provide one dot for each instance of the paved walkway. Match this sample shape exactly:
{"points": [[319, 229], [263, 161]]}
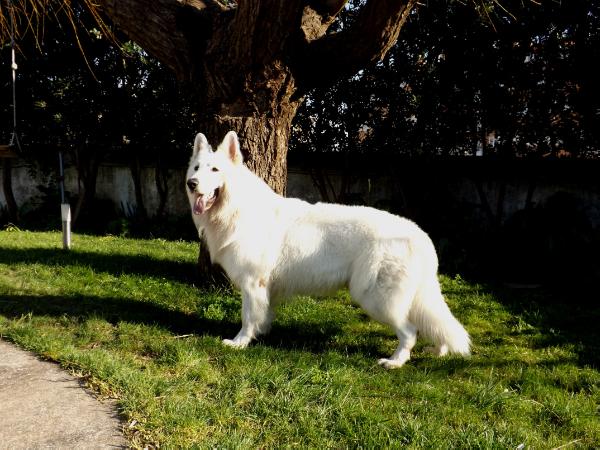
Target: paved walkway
{"points": [[42, 406]]}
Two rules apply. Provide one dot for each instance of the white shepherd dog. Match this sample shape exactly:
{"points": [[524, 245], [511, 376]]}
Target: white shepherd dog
{"points": [[273, 248]]}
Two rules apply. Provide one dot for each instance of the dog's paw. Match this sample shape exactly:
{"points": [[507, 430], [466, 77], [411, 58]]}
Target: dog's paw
{"points": [[235, 343], [390, 363]]}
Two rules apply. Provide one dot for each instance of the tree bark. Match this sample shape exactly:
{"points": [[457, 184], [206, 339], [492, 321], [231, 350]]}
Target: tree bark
{"points": [[263, 142], [209, 274]]}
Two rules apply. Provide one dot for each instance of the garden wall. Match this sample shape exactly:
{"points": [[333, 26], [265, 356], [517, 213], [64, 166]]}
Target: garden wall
{"points": [[518, 220], [492, 190]]}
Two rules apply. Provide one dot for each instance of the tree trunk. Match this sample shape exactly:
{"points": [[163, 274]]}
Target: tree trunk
{"points": [[209, 274], [263, 142], [161, 179], [264, 145], [87, 172], [250, 63], [11, 203], [136, 174]]}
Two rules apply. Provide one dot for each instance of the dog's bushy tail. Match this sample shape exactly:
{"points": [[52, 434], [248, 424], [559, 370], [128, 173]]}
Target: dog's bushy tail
{"points": [[435, 321]]}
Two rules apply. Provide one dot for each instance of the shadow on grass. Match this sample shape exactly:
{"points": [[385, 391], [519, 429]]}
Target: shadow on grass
{"points": [[297, 336], [114, 264], [563, 317], [560, 315], [322, 339], [113, 310], [316, 338], [289, 337]]}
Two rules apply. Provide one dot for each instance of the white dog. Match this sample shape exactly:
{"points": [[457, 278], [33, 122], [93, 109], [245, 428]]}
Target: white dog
{"points": [[273, 248]]}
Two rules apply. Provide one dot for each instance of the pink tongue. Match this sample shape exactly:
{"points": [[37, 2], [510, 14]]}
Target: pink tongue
{"points": [[200, 205]]}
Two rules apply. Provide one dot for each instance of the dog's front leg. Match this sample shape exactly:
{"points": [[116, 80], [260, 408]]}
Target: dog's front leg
{"points": [[256, 313]]}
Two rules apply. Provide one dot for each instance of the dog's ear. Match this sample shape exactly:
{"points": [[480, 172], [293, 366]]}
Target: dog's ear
{"points": [[200, 144], [231, 147]]}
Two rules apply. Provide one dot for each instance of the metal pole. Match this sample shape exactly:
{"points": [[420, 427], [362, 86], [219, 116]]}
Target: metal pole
{"points": [[65, 208], [65, 212], [61, 178], [14, 140]]}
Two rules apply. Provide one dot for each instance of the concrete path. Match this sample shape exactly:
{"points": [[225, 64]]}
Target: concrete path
{"points": [[42, 406]]}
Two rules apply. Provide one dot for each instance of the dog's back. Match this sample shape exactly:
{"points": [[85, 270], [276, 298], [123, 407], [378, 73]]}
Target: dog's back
{"points": [[324, 245]]}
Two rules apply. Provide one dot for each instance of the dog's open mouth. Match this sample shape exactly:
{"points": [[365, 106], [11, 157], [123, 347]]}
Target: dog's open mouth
{"points": [[203, 202]]}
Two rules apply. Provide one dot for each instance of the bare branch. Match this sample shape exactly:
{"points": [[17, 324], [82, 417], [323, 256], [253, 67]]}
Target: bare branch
{"points": [[318, 15], [30, 17], [343, 53]]}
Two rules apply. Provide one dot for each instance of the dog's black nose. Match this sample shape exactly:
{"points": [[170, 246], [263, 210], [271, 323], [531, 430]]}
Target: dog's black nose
{"points": [[192, 183]]}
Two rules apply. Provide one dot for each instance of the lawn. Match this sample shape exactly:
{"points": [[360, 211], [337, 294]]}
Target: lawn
{"points": [[126, 316]]}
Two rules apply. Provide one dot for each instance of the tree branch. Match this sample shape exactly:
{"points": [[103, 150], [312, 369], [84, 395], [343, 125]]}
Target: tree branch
{"points": [[367, 40], [261, 29], [252, 49], [318, 15], [327, 8], [173, 31]]}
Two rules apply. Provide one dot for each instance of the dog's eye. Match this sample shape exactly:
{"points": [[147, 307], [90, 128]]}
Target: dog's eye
{"points": [[215, 169], [196, 167]]}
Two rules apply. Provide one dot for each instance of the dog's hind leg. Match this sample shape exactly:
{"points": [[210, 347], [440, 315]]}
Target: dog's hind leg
{"points": [[430, 313], [390, 303], [391, 307], [407, 334], [257, 313], [386, 287]]}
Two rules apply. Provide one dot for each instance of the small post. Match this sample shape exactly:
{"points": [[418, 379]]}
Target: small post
{"points": [[65, 208], [65, 212]]}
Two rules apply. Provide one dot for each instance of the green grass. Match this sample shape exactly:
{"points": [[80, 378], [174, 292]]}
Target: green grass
{"points": [[125, 314]]}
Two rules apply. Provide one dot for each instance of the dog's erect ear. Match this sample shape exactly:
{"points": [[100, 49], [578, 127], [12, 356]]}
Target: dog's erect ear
{"points": [[231, 147], [200, 144]]}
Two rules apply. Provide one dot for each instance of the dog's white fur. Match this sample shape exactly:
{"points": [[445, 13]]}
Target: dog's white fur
{"points": [[273, 248]]}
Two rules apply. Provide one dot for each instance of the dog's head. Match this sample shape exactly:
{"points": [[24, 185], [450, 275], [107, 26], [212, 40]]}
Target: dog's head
{"points": [[208, 170]]}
